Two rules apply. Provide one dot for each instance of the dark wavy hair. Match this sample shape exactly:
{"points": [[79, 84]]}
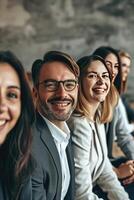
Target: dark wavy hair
{"points": [[104, 51], [16, 163]]}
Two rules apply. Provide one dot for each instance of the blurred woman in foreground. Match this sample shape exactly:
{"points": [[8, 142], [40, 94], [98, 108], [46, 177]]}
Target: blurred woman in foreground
{"points": [[16, 118]]}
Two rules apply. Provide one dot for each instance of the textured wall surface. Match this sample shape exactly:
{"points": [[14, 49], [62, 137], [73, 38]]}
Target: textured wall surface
{"points": [[30, 28]]}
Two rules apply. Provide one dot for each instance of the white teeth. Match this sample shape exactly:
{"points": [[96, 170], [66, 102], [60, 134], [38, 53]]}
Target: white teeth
{"points": [[100, 90], [63, 104], [2, 122]]}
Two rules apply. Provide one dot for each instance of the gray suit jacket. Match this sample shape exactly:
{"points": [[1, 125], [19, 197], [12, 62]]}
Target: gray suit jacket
{"points": [[47, 177], [87, 172]]}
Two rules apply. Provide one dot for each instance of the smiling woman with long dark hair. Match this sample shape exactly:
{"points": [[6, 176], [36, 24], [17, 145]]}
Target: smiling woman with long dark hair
{"points": [[119, 126], [16, 118]]}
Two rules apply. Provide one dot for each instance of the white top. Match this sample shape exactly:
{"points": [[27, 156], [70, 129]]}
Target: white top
{"points": [[61, 140]]}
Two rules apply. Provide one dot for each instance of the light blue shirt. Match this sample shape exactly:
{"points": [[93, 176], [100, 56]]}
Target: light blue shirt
{"points": [[61, 140]]}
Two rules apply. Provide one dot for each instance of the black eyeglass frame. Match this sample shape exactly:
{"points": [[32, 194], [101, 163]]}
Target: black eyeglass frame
{"points": [[57, 84]]}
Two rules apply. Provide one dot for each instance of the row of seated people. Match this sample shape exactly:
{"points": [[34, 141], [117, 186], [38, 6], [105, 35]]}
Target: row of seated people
{"points": [[119, 128], [57, 146]]}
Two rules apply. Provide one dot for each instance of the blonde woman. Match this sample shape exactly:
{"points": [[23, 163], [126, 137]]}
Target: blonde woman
{"points": [[96, 99]]}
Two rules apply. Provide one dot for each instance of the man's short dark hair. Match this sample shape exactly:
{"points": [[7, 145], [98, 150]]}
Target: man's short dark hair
{"points": [[52, 56]]}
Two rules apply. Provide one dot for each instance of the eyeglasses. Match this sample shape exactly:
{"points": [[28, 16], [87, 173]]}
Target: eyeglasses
{"points": [[53, 85]]}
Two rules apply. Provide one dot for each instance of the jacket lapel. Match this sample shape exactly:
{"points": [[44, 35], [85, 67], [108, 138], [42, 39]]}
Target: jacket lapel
{"points": [[48, 141]]}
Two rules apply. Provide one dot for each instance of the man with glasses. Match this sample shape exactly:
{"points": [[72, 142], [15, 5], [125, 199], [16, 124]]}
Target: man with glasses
{"points": [[55, 80]]}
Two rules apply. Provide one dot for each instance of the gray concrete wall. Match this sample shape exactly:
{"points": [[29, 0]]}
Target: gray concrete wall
{"points": [[30, 28]]}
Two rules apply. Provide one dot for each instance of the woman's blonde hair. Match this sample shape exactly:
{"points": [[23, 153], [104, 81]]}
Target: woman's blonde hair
{"points": [[105, 111], [125, 54]]}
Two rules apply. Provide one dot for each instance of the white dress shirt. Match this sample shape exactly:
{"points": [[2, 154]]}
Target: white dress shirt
{"points": [[61, 140]]}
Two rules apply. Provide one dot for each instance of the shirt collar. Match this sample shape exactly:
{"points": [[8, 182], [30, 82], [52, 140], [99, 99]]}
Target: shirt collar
{"points": [[58, 134]]}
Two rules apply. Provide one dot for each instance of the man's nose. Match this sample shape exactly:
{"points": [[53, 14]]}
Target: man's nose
{"points": [[61, 90]]}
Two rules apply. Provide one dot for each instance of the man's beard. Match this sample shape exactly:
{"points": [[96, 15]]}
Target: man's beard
{"points": [[53, 116]]}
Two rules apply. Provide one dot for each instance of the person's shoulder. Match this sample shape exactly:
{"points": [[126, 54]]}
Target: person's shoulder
{"points": [[39, 123], [39, 134], [76, 119], [78, 123]]}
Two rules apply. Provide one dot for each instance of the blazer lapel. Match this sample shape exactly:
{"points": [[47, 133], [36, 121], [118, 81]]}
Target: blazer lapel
{"points": [[48, 141]]}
